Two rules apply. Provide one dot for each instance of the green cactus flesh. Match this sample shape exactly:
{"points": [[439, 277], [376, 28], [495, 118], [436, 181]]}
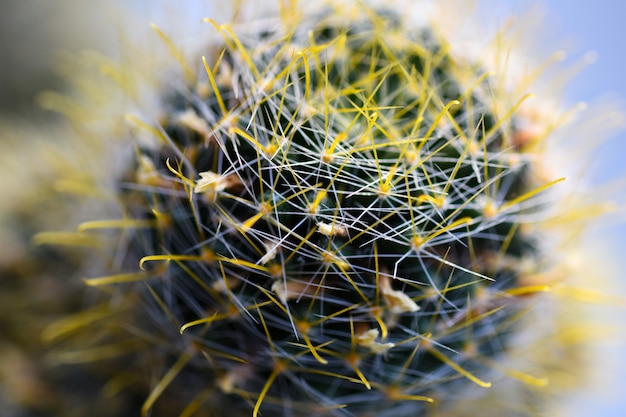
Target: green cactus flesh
{"points": [[330, 223]]}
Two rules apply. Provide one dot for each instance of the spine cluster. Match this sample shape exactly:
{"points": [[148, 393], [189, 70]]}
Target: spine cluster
{"points": [[333, 219]]}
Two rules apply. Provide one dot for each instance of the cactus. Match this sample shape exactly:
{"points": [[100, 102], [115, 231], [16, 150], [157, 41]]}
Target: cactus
{"points": [[335, 216]]}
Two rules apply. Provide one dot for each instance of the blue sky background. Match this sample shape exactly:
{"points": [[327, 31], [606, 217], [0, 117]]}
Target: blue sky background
{"points": [[599, 26]]}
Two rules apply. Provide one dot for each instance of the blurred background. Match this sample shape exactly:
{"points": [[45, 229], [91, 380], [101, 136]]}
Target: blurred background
{"points": [[596, 27], [32, 32]]}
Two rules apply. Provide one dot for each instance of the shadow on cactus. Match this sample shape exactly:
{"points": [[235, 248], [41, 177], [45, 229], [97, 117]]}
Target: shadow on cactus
{"points": [[332, 220]]}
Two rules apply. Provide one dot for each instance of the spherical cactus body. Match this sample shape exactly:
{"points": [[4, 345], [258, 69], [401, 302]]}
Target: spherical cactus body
{"points": [[333, 217]]}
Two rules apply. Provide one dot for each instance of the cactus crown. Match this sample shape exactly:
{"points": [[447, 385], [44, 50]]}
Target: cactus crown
{"points": [[331, 222]]}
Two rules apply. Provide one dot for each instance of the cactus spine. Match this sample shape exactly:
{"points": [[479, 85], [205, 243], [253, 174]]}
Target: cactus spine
{"points": [[334, 218]]}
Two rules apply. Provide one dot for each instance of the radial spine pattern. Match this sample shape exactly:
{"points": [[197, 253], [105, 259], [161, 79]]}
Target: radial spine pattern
{"points": [[334, 219]]}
